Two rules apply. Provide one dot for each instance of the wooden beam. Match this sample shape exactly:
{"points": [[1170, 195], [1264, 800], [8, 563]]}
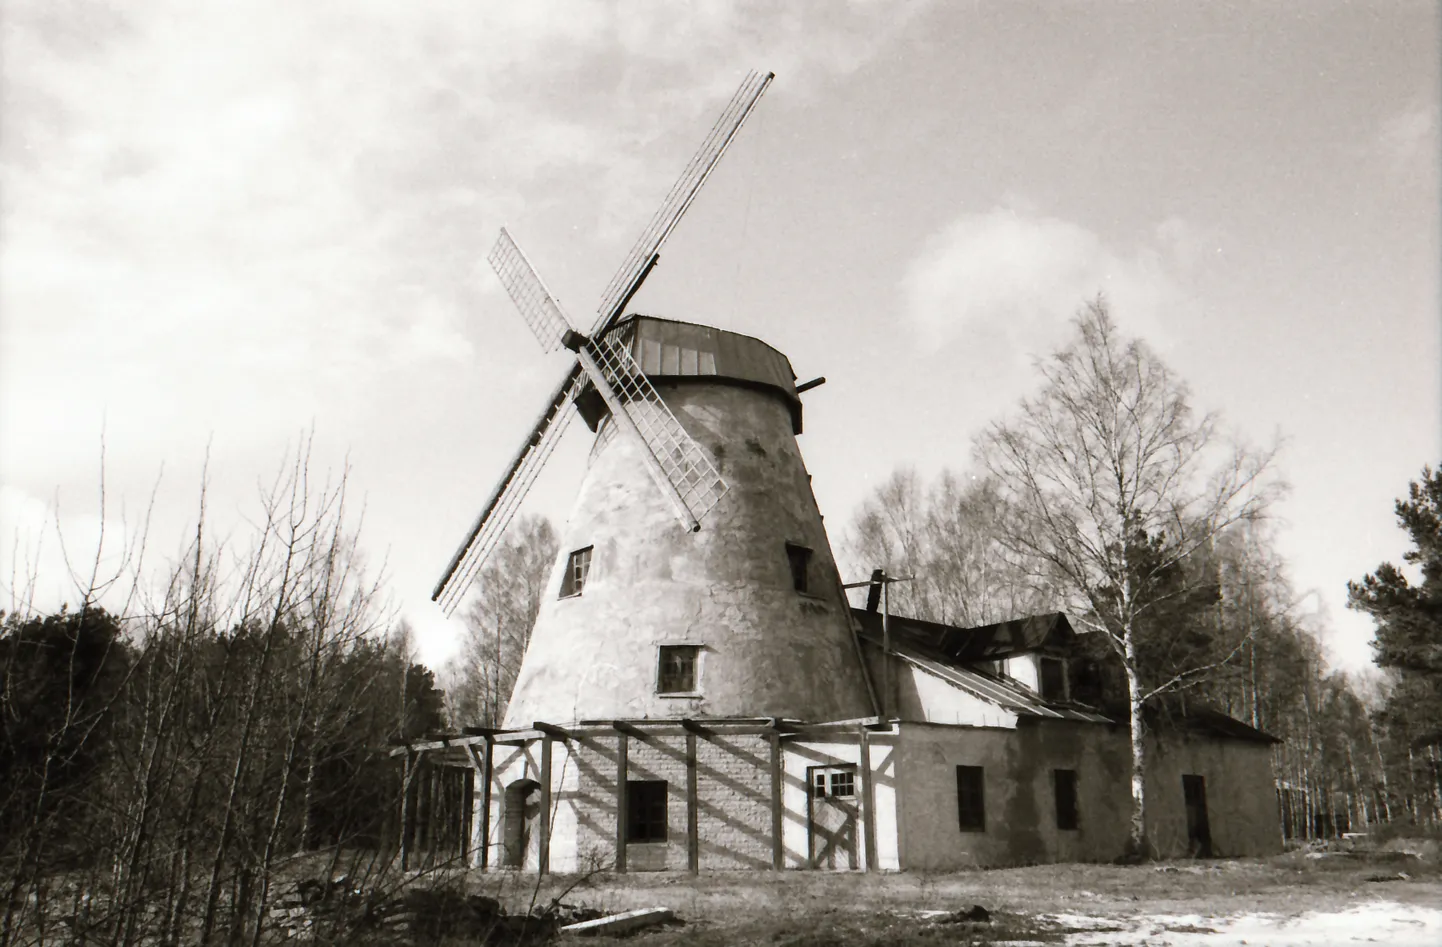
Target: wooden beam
{"points": [[544, 866], [487, 775], [693, 841], [691, 726], [778, 852], [868, 801], [552, 730], [623, 751]]}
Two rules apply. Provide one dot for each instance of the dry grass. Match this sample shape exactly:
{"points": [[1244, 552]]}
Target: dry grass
{"points": [[813, 909]]}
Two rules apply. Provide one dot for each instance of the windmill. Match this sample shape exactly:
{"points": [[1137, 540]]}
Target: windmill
{"points": [[678, 467], [695, 577]]}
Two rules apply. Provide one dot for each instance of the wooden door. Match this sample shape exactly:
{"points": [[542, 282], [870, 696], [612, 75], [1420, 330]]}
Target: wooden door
{"points": [[1199, 830], [831, 816]]}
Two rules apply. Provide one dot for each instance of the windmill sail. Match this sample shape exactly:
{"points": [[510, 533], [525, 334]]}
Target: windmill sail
{"points": [[693, 480], [683, 192], [506, 498], [675, 461], [533, 300]]}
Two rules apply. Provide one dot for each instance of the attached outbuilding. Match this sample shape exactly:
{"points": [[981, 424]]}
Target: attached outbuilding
{"points": [[979, 759]]}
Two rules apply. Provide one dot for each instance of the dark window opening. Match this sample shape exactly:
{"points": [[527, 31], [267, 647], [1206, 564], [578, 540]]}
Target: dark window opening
{"points": [[971, 798], [843, 783], [1066, 798], [578, 566], [799, 558], [676, 672], [646, 810], [1053, 679]]}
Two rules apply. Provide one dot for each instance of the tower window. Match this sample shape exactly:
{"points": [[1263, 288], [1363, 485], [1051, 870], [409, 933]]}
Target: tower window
{"points": [[971, 798], [799, 558], [645, 810], [676, 669], [578, 566], [1066, 801]]}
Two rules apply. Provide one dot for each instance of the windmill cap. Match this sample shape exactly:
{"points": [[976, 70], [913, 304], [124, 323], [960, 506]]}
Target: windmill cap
{"points": [[683, 352]]}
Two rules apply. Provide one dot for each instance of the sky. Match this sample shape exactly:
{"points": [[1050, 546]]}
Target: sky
{"points": [[223, 226]]}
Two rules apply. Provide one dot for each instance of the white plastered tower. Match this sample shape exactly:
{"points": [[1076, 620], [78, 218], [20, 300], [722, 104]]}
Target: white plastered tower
{"points": [[751, 601]]}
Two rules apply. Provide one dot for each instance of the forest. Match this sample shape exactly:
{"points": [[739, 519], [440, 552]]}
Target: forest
{"points": [[170, 747]]}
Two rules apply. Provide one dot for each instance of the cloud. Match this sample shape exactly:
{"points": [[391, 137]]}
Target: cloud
{"points": [[1408, 142], [1020, 276]]}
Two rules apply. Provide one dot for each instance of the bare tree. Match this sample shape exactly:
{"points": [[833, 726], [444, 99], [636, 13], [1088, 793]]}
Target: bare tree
{"points": [[499, 621], [943, 534], [1109, 485]]}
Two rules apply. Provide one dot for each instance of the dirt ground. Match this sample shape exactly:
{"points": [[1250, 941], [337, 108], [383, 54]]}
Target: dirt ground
{"points": [[1290, 900]]}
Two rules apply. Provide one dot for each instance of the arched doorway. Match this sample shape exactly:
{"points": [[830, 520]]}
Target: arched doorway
{"points": [[518, 822]]}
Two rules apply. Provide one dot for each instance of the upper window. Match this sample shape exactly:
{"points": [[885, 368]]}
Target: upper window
{"points": [[833, 781], [799, 558], [1053, 679], [971, 798], [578, 566], [646, 810], [1066, 798], [676, 669]]}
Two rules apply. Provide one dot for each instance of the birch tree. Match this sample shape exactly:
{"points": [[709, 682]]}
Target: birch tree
{"points": [[1107, 484]]}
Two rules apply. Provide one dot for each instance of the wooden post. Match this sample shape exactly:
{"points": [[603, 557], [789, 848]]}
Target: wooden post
{"points": [[868, 802], [486, 777], [623, 749], [777, 849], [886, 703], [408, 773], [468, 813], [544, 858], [693, 841]]}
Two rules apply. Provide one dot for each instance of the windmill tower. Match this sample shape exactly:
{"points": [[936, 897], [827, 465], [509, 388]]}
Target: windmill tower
{"points": [[695, 578]]}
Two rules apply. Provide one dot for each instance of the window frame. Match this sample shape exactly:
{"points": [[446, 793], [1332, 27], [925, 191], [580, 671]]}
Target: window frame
{"points": [[696, 652], [971, 798], [1059, 664], [573, 585], [1068, 803], [800, 577], [645, 827]]}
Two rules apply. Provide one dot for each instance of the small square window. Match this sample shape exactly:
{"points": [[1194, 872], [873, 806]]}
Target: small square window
{"points": [[971, 798], [843, 783], [1066, 799], [676, 669], [645, 810], [799, 558], [578, 566]]}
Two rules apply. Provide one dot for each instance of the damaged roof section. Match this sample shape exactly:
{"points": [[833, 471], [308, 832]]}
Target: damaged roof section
{"points": [[1004, 693], [984, 643]]}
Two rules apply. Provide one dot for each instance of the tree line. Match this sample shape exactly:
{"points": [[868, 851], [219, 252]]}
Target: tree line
{"points": [[164, 761], [1106, 496]]}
